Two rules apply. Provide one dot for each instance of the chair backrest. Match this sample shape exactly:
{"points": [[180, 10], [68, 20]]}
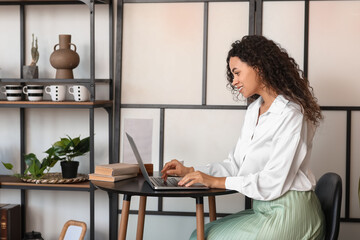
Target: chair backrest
{"points": [[73, 230], [329, 191]]}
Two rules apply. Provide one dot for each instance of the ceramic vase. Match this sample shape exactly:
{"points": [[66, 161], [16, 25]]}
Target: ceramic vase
{"points": [[64, 59]]}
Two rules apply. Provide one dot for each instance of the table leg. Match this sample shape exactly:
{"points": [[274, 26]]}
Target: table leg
{"points": [[113, 214], [200, 218], [212, 208], [124, 217], [141, 218]]}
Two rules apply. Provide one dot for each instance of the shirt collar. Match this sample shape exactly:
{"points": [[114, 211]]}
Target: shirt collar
{"points": [[277, 106]]}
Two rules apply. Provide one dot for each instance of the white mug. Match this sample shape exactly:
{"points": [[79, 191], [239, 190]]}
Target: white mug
{"points": [[34, 92], [57, 92], [13, 92], [81, 93]]}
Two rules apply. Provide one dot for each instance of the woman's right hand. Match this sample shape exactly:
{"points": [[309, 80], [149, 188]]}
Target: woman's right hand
{"points": [[174, 167]]}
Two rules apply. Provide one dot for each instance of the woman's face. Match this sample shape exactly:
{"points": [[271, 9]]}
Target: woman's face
{"points": [[245, 79]]}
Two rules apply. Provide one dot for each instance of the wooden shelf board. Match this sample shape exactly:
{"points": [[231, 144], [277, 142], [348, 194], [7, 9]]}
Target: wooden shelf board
{"points": [[97, 103], [11, 181], [52, 80]]}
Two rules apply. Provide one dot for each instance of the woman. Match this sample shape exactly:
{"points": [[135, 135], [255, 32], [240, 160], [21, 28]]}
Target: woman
{"points": [[270, 162]]}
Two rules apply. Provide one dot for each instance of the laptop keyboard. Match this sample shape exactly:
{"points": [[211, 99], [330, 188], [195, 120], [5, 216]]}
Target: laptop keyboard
{"points": [[169, 182]]}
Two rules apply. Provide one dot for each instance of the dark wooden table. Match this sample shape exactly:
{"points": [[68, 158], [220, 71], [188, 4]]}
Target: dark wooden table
{"points": [[138, 187]]}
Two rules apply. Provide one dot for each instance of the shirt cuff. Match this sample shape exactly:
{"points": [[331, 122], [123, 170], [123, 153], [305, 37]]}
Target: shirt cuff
{"points": [[233, 183]]}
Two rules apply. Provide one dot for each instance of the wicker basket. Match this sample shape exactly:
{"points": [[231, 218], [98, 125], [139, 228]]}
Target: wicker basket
{"points": [[56, 178]]}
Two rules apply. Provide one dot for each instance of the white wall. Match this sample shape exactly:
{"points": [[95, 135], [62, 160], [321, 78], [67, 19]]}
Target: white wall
{"points": [[162, 63]]}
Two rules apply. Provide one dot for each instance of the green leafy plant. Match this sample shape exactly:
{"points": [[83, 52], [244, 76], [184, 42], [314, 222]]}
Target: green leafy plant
{"points": [[35, 169], [9, 166], [66, 149]]}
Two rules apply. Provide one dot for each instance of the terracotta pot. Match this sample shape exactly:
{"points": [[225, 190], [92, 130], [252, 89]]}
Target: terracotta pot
{"points": [[64, 59], [69, 169]]}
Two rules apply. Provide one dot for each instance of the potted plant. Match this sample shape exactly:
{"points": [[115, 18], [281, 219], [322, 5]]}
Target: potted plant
{"points": [[35, 169], [65, 150], [32, 71]]}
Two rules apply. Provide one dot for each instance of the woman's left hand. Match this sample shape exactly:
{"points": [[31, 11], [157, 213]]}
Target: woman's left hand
{"points": [[200, 177]]}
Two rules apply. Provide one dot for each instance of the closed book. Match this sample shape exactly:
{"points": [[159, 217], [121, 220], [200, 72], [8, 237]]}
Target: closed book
{"points": [[10, 222], [107, 178], [115, 169]]}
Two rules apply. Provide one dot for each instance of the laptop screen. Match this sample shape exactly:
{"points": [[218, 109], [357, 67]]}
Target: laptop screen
{"points": [[138, 158]]}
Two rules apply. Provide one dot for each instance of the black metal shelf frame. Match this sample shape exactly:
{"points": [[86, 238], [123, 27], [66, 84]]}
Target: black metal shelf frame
{"points": [[89, 83], [255, 27]]}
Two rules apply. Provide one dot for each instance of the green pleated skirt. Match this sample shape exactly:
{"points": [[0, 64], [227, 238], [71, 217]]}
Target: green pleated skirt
{"points": [[295, 215]]}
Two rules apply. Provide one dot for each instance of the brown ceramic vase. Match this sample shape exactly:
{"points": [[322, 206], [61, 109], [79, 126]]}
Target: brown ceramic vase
{"points": [[64, 59]]}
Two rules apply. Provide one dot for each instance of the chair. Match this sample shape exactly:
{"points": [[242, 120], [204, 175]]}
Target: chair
{"points": [[329, 190], [73, 230]]}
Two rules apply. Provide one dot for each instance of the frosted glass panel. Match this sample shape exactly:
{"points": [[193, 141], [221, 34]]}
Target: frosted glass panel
{"points": [[10, 46], [163, 227], [329, 148], [334, 51], [227, 22], [181, 204], [47, 22], [152, 114], [201, 136], [283, 22], [162, 53], [355, 166]]}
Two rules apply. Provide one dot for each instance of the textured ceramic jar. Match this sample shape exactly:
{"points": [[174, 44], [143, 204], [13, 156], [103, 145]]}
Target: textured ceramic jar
{"points": [[64, 59]]}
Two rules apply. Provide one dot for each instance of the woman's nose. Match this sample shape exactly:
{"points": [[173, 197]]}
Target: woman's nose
{"points": [[235, 81]]}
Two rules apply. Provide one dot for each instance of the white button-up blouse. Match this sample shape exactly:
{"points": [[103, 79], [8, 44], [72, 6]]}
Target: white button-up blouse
{"points": [[272, 154]]}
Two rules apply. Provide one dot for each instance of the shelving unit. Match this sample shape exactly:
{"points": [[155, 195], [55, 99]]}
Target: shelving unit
{"points": [[9, 182]]}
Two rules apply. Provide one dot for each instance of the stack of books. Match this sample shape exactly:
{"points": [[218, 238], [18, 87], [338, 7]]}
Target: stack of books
{"points": [[114, 172]]}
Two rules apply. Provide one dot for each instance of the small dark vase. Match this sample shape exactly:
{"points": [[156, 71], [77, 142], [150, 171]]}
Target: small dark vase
{"points": [[69, 169]]}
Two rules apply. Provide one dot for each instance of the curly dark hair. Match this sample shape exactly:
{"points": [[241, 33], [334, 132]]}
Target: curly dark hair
{"points": [[277, 71]]}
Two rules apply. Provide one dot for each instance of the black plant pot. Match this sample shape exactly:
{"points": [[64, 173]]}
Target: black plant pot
{"points": [[69, 169]]}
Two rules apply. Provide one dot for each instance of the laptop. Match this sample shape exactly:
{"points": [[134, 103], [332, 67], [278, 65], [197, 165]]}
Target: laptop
{"points": [[158, 183]]}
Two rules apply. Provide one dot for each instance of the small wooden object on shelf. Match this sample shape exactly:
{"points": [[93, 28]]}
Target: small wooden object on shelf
{"points": [[10, 221]]}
